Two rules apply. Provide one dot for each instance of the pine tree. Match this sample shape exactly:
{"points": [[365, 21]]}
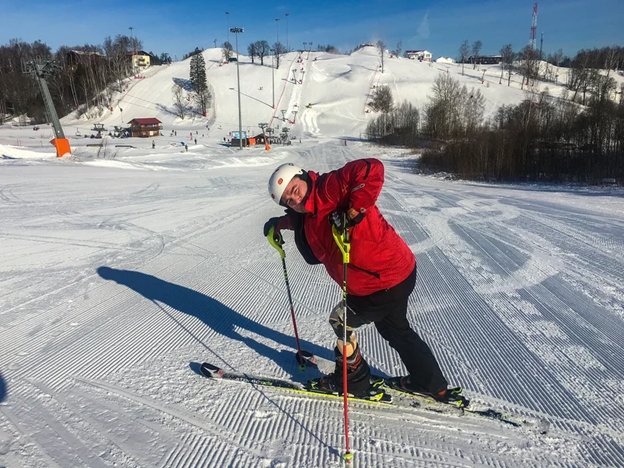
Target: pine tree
{"points": [[201, 93]]}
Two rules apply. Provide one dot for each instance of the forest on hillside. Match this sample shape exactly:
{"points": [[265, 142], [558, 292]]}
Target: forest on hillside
{"points": [[87, 75], [576, 137]]}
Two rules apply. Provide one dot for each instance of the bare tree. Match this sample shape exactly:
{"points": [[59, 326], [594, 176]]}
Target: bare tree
{"points": [[399, 48], [382, 99], [556, 59], [476, 48], [178, 101], [530, 64], [252, 51], [227, 51], [507, 56], [463, 54], [262, 50], [399, 127], [382, 47], [279, 49]]}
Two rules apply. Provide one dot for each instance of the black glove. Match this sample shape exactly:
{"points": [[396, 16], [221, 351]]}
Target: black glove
{"points": [[277, 235], [271, 223], [339, 219], [342, 220]]}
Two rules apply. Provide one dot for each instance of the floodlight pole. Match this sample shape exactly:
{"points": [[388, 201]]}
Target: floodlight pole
{"points": [[132, 43], [236, 31], [273, 74], [227, 17], [287, 48]]}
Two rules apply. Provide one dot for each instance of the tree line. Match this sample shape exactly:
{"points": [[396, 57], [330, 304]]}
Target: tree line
{"points": [[578, 136]]}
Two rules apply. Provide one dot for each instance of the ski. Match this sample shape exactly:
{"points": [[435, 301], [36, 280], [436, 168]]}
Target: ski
{"points": [[458, 403], [211, 371], [383, 397]]}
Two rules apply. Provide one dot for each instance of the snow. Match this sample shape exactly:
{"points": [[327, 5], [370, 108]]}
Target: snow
{"points": [[124, 267]]}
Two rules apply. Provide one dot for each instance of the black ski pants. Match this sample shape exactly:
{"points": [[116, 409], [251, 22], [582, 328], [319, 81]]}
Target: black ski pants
{"points": [[387, 309]]}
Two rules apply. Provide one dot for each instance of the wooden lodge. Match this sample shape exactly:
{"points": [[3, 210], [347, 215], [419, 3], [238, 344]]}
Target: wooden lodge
{"points": [[144, 128]]}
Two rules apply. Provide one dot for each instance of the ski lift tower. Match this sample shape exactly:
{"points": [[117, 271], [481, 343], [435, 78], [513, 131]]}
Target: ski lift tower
{"points": [[40, 70]]}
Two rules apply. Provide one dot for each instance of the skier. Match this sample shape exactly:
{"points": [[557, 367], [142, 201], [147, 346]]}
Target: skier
{"points": [[381, 274]]}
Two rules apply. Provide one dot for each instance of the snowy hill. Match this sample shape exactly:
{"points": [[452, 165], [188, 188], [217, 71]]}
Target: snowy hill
{"points": [[123, 267], [337, 86]]}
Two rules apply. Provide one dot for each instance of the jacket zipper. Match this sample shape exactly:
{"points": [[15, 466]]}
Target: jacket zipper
{"points": [[372, 273]]}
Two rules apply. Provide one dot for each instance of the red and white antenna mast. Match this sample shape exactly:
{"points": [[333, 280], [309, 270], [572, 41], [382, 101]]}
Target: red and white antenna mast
{"points": [[533, 27]]}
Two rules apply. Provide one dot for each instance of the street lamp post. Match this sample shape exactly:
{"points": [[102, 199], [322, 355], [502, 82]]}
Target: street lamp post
{"points": [[132, 44], [273, 75], [227, 16], [277, 27], [287, 48], [236, 31]]}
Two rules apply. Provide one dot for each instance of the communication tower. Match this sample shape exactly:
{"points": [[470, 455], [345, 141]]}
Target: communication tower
{"points": [[533, 27]]}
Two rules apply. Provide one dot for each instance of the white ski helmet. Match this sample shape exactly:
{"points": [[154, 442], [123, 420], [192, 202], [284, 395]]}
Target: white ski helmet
{"points": [[280, 178]]}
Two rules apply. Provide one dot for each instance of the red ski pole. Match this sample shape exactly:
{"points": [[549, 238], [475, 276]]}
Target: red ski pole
{"points": [[344, 244]]}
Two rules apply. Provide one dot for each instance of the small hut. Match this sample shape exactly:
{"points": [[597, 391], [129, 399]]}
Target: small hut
{"points": [[144, 128]]}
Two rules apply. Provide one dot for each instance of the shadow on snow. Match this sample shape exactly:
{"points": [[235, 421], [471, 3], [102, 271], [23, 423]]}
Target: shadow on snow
{"points": [[215, 315]]}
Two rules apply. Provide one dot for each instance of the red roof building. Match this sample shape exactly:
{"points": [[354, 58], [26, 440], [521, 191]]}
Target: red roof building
{"points": [[145, 127]]}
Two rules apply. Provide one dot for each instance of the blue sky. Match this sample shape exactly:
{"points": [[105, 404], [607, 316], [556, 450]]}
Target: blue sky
{"points": [[439, 26]]}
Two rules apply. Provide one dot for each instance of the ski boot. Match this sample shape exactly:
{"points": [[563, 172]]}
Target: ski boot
{"points": [[359, 382], [450, 396]]}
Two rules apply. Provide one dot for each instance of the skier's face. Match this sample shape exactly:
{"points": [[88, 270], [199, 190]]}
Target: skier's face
{"points": [[295, 194]]}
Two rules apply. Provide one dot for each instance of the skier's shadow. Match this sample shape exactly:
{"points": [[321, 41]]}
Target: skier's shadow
{"points": [[213, 313], [3, 389]]}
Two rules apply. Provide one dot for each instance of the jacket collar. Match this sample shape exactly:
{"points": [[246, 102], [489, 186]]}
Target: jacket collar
{"points": [[310, 204]]}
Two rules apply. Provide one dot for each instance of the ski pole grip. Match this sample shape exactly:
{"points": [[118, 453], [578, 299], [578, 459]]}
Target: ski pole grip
{"points": [[276, 240], [343, 242]]}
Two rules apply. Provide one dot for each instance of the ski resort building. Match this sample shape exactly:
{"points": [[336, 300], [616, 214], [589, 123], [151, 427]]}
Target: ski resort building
{"points": [[420, 55], [140, 59], [73, 58], [144, 128], [485, 59]]}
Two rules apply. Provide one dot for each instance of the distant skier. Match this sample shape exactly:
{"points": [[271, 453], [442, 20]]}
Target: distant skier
{"points": [[381, 274], [153, 144]]}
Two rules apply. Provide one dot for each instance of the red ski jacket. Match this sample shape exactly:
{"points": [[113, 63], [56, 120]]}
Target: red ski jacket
{"points": [[379, 258]]}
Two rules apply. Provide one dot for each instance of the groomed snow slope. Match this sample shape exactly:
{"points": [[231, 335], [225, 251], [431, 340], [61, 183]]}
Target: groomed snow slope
{"points": [[118, 277]]}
